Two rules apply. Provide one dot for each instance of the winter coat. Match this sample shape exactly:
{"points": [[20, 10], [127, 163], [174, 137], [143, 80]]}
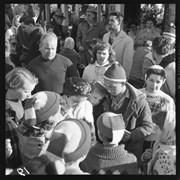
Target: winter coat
{"points": [[124, 48]]}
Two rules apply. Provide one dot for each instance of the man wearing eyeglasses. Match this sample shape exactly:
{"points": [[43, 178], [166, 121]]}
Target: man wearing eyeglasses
{"points": [[88, 29], [120, 41]]}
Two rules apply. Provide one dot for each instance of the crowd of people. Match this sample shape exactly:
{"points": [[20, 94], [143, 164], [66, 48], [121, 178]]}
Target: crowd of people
{"points": [[99, 101]]}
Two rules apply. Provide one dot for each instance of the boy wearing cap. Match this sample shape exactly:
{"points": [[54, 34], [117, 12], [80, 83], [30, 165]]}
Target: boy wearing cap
{"points": [[107, 156], [131, 103]]}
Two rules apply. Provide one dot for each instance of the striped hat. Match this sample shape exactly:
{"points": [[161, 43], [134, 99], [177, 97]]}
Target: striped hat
{"points": [[112, 126], [40, 107], [170, 31], [115, 73], [71, 139]]}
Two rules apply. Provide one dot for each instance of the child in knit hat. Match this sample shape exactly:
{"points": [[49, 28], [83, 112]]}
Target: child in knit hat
{"points": [[42, 113], [71, 140], [107, 156]]}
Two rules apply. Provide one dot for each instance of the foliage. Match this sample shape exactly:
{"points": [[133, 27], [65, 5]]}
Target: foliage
{"points": [[155, 11]]}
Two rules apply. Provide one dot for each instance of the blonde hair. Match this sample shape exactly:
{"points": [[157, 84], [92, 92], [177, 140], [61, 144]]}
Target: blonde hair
{"points": [[16, 78]]}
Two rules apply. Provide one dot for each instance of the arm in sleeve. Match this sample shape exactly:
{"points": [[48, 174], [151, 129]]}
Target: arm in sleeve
{"points": [[170, 79], [139, 39], [79, 37], [146, 64], [128, 56], [144, 122], [71, 70]]}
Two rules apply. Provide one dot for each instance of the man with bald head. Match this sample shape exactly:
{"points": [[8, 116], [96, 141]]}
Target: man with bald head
{"points": [[51, 68]]}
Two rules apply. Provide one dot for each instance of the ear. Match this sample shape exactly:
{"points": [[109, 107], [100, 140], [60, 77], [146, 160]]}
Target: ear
{"points": [[145, 77], [164, 81]]}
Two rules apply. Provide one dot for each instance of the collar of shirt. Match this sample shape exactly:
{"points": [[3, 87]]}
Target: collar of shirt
{"points": [[119, 103], [98, 65]]}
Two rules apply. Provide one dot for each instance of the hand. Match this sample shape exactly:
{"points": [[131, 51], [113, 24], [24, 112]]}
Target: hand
{"points": [[81, 48], [8, 148], [147, 154], [126, 136]]}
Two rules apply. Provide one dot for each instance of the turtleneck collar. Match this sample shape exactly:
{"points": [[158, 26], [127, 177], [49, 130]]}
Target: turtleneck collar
{"points": [[106, 152]]}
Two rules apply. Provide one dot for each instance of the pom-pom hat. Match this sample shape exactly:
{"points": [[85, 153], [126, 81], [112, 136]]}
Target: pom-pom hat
{"points": [[71, 139], [40, 107], [112, 126], [171, 31], [115, 73]]}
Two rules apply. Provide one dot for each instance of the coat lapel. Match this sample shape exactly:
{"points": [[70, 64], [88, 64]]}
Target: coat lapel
{"points": [[118, 39]]}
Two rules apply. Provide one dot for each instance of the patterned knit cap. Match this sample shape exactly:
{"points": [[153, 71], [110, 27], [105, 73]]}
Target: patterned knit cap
{"points": [[71, 139], [115, 73], [112, 126], [40, 107], [171, 30]]}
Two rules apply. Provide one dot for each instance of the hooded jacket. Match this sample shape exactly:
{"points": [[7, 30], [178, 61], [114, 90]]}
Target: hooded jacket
{"points": [[137, 118]]}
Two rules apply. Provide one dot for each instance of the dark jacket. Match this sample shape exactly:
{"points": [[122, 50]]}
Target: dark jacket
{"points": [[72, 55], [167, 60], [28, 43], [137, 117]]}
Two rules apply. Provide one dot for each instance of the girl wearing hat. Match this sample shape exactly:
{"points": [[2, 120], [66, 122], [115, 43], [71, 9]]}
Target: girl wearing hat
{"points": [[103, 57], [42, 113]]}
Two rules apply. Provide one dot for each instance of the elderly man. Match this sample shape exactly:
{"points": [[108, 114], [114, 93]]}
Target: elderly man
{"points": [[51, 68], [88, 29], [131, 103], [120, 41]]}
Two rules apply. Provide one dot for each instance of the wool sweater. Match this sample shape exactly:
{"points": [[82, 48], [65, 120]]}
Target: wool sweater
{"points": [[109, 160], [52, 74]]}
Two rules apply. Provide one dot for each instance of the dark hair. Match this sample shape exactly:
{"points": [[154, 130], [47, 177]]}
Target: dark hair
{"points": [[161, 45], [102, 46], [90, 43], [157, 71], [76, 86], [119, 16], [150, 19], [49, 25]]}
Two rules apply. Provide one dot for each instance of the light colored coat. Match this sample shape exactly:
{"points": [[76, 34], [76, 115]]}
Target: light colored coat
{"points": [[124, 48]]}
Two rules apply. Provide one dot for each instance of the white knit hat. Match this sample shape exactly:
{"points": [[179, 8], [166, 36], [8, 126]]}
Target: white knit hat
{"points": [[115, 73]]}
